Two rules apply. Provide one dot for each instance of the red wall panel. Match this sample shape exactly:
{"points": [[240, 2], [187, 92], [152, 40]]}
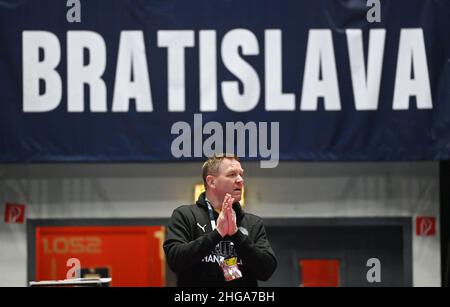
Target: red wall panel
{"points": [[319, 273], [132, 256]]}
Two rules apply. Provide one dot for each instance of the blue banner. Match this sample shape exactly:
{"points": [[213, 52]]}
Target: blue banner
{"points": [[270, 80]]}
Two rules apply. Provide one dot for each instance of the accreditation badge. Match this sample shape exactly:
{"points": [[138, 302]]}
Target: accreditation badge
{"points": [[230, 268]]}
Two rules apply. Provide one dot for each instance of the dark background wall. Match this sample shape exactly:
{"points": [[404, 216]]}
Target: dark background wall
{"points": [[350, 241], [445, 221]]}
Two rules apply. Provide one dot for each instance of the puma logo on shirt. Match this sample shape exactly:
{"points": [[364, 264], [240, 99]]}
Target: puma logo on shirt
{"points": [[202, 227]]}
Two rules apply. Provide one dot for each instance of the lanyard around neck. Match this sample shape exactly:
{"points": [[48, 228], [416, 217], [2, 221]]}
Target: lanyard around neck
{"points": [[211, 215]]}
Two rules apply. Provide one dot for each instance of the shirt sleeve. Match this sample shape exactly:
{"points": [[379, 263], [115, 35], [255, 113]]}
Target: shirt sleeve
{"points": [[181, 251], [256, 255]]}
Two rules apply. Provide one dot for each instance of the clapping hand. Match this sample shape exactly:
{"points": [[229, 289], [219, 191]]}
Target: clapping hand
{"points": [[226, 223]]}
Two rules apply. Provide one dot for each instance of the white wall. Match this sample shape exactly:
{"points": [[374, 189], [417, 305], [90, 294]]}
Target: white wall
{"points": [[154, 190]]}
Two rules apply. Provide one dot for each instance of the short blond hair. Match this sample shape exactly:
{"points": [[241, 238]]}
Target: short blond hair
{"points": [[211, 166]]}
